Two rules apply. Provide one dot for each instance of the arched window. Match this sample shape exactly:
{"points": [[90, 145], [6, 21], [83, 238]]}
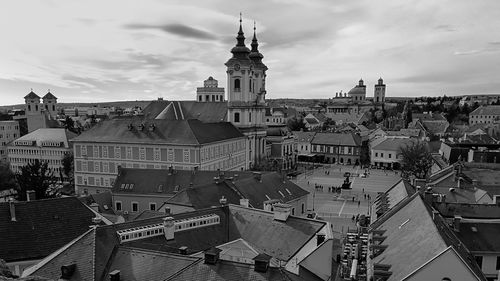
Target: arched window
{"points": [[237, 85], [250, 85], [36, 107], [199, 98], [237, 117], [29, 107], [53, 107]]}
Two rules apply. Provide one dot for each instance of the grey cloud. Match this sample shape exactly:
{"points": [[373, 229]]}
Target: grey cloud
{"points": [[177, 29], [445, 27]]}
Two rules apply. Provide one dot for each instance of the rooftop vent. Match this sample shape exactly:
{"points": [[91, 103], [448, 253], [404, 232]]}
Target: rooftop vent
{"points": [[223, 200], [212, 255], [261, 262], [67, 271], [151, 127], [114, 275], [183, 250]]}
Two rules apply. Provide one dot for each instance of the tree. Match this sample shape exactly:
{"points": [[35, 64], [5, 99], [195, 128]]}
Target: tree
{"points": [[38, 177], [296, 124], [69, 124], [68, 166], [7, 177], [417, 160]]}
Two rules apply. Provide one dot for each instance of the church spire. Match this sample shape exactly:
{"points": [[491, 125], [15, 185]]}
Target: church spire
{"points": [[241, 36], [255, 43]]}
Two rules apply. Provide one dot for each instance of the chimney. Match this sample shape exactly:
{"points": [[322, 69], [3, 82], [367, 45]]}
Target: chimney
{"points": [[281, 211], [320, 238], [223, 200], [168, 228], [12, 210], [244, 202], [96, 220], [30, 195], [419, 182], [458, 182], [434, 214], [261, 262], [95, 207], [258, 176], [114, 275], [167, 211], [474, 183], [456, 223], [428, 196], [183, 250], [67, 271], [212, 255]]}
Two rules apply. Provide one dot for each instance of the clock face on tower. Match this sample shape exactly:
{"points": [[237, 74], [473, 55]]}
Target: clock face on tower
{"points": [[236, 67]]}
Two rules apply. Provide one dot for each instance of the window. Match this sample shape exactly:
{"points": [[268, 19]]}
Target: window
{"points": [[376, 154], [293, 211], [498, 263], [390, 155], [479, 261], [250, 117], [237, 86], [118, 205], [135, 207], [302, 208], [381, 155], [237, 117], [152, 206]]}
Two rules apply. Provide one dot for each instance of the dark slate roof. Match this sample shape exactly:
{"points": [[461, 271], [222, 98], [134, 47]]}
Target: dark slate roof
{"points": [[478, 139], [103, 199], [49, 95], [272, 186], [246, 186], [350, 139], [480, 237], [188, 132], [226, 270], [31, 95], [41, 227], [312, 120], [183, 110], [138, 264], [436, 127], [147, 181]]}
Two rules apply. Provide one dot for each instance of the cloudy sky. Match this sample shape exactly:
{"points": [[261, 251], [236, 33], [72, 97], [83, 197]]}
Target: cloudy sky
{"points": [[94, 50]]}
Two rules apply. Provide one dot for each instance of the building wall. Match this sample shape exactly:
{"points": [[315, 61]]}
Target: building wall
{"points": [[143, 201], [483, 119], [9, 131], [19, 266], [96, 163], [19, 156], [384, 157], [338, 154], [489, 264]]}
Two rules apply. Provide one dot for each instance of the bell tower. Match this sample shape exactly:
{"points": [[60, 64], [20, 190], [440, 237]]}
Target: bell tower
{"points": [[246, 76], [379, 96]]}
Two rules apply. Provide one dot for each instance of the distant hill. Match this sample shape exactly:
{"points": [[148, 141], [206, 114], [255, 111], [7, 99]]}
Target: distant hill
{"points": [[122, 104]]}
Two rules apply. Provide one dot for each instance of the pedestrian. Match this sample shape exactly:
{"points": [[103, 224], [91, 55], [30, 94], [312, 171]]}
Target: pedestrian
{"points": [[359, 202], [353, 199], [363, 190], [364, 196]]}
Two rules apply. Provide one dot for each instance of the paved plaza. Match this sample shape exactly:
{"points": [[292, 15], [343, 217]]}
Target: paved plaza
{"points": [[339, 208]]}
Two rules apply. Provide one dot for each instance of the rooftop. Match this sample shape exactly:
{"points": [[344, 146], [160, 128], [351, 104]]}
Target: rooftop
{"points": [[41, 227], [53, 135], [349, 139], [393, 144], [183, 110], [487, 110], [183, 132], [480, 237]]}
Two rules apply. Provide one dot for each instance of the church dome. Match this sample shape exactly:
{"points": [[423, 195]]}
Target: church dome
{"points": [[357, 91]]}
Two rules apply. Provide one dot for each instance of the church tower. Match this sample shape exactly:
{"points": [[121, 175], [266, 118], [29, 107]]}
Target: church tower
{"points": [[35, 117], [49, 104], [379, 96], [246, 75]]}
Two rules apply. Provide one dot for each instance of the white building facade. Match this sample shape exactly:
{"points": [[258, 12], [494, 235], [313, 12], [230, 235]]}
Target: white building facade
{"points": [[9, 131]]}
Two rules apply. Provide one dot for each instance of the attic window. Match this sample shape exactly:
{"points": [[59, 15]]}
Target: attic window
{"points": [[288, 191], [473, 228], [122, 186], [281, 193], [268, 198], [176, 188], [160, 188], [131, 186]]}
